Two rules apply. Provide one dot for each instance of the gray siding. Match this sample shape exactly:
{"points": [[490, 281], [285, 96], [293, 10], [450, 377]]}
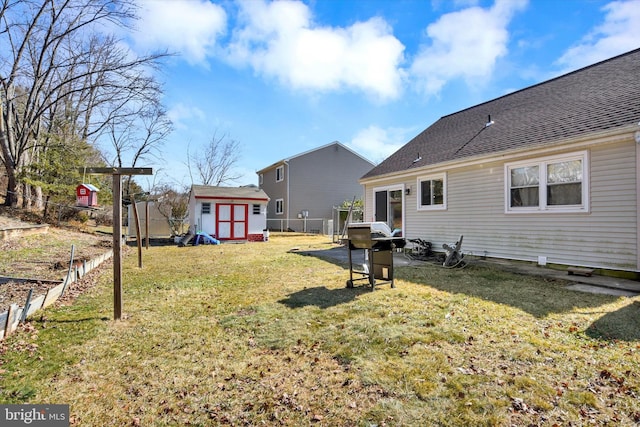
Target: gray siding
{"points": [[315, 181], [325, 178], [275, 190], [605, 237]]}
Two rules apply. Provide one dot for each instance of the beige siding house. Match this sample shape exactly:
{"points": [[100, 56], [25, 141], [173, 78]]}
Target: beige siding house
{"points": [[547, 174], [303, 189]]}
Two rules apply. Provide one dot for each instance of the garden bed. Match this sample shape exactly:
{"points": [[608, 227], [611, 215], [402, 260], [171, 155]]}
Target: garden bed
{"points": [[39, 262]]}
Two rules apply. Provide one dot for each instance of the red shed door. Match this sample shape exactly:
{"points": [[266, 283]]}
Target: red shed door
{"points": [[231, 221]]}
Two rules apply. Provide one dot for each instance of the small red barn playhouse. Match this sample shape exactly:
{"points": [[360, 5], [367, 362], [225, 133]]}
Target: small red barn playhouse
{"points": [[86, 195]]}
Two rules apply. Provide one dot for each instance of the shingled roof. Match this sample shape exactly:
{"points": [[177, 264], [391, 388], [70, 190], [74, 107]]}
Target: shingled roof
{"points": [[602, 96], [210, 191]]}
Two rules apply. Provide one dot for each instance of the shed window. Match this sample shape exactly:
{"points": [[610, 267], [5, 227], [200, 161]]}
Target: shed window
{"points": [[279, 173], [206, 208], [256, 209], [279, 206], [432, 192], [552, 184]]}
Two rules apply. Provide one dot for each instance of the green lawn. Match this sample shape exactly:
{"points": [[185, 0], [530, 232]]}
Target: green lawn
{"points": [[252, 334]]}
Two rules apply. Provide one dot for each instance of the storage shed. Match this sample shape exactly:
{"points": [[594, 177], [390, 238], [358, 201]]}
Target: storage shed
{"points": [[86, 195], [229, 213]]}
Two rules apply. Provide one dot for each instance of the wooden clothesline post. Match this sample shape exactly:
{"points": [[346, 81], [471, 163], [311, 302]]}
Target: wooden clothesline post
{"points": [[117, 227]]}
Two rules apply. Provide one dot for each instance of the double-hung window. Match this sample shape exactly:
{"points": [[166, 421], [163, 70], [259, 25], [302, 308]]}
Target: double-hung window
{"points": [[432, 192], [279, 206], [552, 184], [280, 173]]}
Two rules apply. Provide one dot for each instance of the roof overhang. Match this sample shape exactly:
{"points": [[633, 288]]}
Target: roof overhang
{"points": [[611, 136], [254, 199]]}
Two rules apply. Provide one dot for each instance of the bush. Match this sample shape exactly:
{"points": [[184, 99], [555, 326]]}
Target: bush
{"points": [[83, 217], [104, 218]]}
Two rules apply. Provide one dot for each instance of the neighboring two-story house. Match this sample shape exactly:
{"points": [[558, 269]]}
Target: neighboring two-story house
{"points": [[303, 189]]}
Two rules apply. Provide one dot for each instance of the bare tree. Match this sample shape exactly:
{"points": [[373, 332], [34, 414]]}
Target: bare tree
{"points": [[56, 66], [174, 206], [138, 135], [214, 164]]}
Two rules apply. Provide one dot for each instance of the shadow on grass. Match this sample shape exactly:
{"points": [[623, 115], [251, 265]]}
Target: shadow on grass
{"points": [[623, 324], [322, 297], [538, 296], [158, 241], [84, 319]]}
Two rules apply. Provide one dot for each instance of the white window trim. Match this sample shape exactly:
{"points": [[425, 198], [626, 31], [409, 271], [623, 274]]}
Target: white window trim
{"points": [[202, 208], [281, 169], [282, 211], [261, 180], [443, 206], [542, 163]]}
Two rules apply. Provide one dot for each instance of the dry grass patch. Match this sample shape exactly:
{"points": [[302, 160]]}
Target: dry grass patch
{"points": [[255, 334]]}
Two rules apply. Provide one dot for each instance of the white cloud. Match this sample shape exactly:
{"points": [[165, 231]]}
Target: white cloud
{"points": [[180, 113], [464, 44], [376, 144], [280, 40], [189, 27], [619, 33]]}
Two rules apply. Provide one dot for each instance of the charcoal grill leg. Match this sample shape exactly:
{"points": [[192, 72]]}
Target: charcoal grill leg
{"points": [[350, 281], [372, 276]]}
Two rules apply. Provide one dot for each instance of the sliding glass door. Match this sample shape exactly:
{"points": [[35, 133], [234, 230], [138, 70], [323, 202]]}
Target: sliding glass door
{"points": [[388, 207]]}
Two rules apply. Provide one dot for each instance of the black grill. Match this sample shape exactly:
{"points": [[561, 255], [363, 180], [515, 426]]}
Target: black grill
{"points": [[377, 244]]}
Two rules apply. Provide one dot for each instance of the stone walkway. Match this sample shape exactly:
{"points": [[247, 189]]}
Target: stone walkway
{"points": [[594, 284]]}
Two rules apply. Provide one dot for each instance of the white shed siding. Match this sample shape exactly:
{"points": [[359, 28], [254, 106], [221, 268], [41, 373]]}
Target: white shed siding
{"points": [[256, 223], [605, 237]]}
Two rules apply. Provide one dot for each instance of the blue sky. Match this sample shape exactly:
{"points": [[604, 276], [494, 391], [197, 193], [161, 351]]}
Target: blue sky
{"points": [[286, 77]]}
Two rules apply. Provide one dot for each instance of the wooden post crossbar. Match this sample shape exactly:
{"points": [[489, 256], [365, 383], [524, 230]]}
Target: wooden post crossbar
{"points": [[117, 226]]}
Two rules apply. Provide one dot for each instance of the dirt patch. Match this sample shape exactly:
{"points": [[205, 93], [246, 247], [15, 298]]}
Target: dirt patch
{"points": [[17, 292], [44, 259], [47, 256]]}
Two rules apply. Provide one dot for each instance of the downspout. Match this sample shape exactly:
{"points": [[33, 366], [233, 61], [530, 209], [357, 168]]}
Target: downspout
{"points": [[286, 162], [636, 146]]}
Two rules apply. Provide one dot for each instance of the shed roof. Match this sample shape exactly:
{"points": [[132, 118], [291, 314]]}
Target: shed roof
{"points": [[599, 97], [214, 192], [89, 187]]}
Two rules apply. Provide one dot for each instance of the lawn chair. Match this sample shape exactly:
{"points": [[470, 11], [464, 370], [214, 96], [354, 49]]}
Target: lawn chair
{"points": [[453, 255]]}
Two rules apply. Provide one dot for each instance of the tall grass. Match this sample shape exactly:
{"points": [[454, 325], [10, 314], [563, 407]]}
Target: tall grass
{"points": [[257, 334]]}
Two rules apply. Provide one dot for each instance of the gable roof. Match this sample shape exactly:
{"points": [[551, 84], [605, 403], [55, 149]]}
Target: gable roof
{"points": [[213, 192], [89, 187], [600, 97], [287, 159]]}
